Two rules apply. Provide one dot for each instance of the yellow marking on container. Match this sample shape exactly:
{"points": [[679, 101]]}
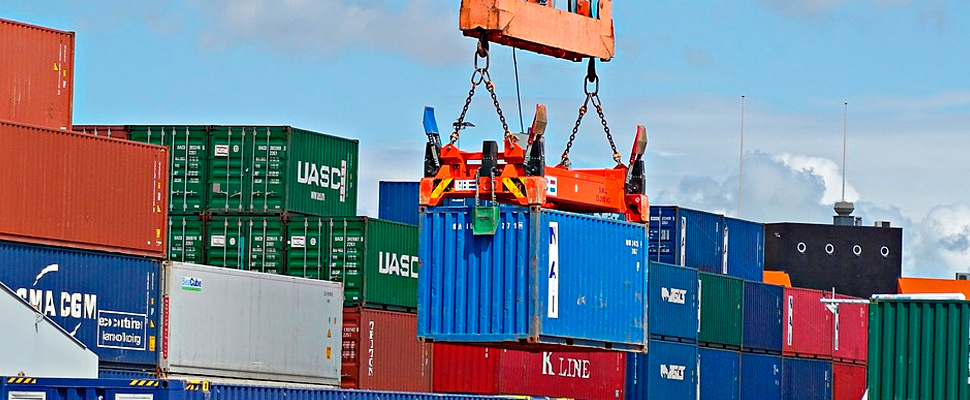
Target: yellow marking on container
{"points": [[328, 352], [441, 188], [512, 188], [151, 341], [329, 334]]}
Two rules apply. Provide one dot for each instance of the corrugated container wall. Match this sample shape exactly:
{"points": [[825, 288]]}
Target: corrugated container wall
{"points": [[246, 243], [686, 237], [246, 325], [808, 326], [760, 377], [744, 254], [762, 330], [188, 164], [718, 374], [112, 131], [544, 278], [667, 371], [850, 341], [376, 260], [71, 389], [399, 201], [186, 239], [240, 392], [806, 379], [673, 308], [275, 169], [381, 351], [848, 381], [482, 370], [107, 301], [721, 303], [36, 75], [53, 183], [919, 349]]}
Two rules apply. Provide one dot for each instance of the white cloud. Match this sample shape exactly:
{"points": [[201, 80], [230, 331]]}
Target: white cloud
{"points": [[421, 29], [827, 170]]}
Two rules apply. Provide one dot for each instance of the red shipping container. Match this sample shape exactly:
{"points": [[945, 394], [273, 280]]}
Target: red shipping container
{"points": [[850, 342], [115, 131], [68, 189], [808, 324], [848, 381], [36, 75], [486, 371], [381, 351]]}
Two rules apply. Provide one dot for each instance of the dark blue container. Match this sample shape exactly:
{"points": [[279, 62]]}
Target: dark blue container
{"points": [[763, 330], [110, 373], [744, 255], [718, 374], [686, 237], [760, 377], [544, 278], [90, 389], [398, 201], [107, 301], [667, 371], [673, 302], [218, 391], [805, 379]]}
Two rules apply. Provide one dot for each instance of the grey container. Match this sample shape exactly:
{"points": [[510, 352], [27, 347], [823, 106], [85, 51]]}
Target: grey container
{"points": [[246, 325]]}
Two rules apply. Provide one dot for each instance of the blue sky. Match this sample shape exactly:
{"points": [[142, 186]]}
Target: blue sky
{"points": [[365, 69]]}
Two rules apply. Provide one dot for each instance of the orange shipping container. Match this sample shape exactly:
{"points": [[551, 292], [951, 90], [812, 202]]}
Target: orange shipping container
{"points": [[68, 189], [927, 285], [36, 75]]}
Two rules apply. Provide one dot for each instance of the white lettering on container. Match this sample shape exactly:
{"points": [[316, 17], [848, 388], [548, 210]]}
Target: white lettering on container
{"points": [[674, 295], [554, 271], [568, 367], [673, 372], [370, 349], [63, 304], [397, 264]]}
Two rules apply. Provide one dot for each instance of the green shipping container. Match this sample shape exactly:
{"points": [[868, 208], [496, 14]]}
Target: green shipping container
{"points": [[377, 260], [721, 305], [186, 239], [919, 349], [189, 162], [280, 169], [252, 243]]}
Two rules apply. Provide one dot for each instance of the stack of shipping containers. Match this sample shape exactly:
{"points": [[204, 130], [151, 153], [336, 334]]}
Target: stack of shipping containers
{"points": [[162, 206]]}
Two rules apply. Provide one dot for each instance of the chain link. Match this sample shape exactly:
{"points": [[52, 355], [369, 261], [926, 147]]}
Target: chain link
{"points": [[481, 75], [591, 96]]}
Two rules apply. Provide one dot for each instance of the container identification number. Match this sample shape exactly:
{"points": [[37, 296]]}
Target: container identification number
{"points": [[504, 225]]}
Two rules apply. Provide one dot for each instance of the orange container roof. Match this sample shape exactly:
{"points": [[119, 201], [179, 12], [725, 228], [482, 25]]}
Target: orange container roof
{"points": [[777, 278], [928, 285]]}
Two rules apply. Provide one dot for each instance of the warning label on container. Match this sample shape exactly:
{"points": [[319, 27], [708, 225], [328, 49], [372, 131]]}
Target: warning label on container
{"points": [[120, 330], [217, 241], [222, 150], [298, 242]]}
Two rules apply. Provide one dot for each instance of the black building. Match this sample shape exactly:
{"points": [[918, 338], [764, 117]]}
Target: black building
{"points": [[855, 260]]}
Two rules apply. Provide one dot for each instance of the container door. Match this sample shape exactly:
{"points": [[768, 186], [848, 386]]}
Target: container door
{"points": [[308, 248], [266, 188], [266, 250], [186, 239], [228, 164], [227, 242], [188, 167], [347, 257]]}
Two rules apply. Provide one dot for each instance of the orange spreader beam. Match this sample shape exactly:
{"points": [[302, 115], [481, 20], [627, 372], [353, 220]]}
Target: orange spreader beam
{"points": [[543, 29], [584, 191]]}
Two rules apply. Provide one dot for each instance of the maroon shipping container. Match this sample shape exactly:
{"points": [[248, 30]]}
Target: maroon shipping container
{"points": [[115, 131], [68, 189], [36, 75], [808, 326], [850, 342], [478, 370], [848, 381], [381, 351]]}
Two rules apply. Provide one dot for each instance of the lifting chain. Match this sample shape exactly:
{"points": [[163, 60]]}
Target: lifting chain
{"points": [[479, 77], [592, 96]]}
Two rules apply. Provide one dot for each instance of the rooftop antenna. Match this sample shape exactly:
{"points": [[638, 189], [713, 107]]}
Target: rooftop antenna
{"points": [[741, 162], [844, 209]]}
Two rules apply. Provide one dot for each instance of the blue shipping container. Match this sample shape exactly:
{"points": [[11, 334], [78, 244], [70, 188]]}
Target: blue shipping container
{"points": [[107, 301], [89, 389], [804, 379], [398, 201], [218, 391], [667, 371], [673, 308], [760, 377], [744, 249], [717, 374], [763, 329], [545, 278], [686, 237]]}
